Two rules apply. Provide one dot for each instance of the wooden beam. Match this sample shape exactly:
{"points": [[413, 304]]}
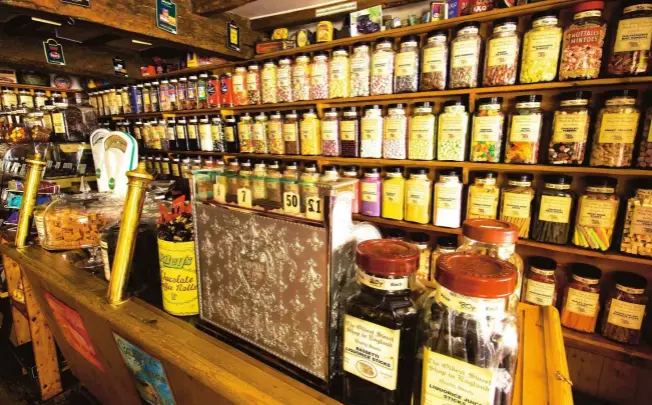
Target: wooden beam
{"points": [[137, 18], [211, 7]]}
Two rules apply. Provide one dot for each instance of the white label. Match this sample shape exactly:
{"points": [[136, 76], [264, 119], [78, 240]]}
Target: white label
{"points": [[329, 130], [486, 129], [385, 284], [583, 302], [479, 307], [105, 260], [464, 53], [539, 293], [626, 314], [381, 64], [525, 128], [314, 208], [371, 351]]}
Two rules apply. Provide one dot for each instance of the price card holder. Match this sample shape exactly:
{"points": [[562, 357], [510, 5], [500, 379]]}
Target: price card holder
{"points": [[244, 197], [314, 208], [219, 192], [291, 203]]}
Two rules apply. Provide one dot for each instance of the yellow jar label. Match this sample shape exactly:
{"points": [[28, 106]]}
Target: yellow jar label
{"points": [[618, 128], [483, 307], [516, 205], [406, 64], [452, 128], [339, 69], [381, 64], [417, 194], [542, 46], [274, 130], [626, 314], [289, 132], [434, 59], [447, 197], [422, 128], [371, 351], [502, 51], [465, 53], [369, 192], [583, 302], [393, 193], [318, 74], [446, 377], [244, 197], [641, 221], [291, 203], [219, 191], [634, 34], [370, 130], [486, 129], [252, 81], [525, 128], [178, 277], [257, 132], [394, 129], [269, 78], [314, 208], [238, 84], [347, 130], [572, 128], [329, 130], [484, 204], [307, 130], [555, 209], [598, 213], [59, 123], [539, 293]]}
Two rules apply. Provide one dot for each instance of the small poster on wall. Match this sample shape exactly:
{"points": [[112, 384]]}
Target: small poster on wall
{"points": [[166, 15], [120, 67], [151, 381], [54, 52]]}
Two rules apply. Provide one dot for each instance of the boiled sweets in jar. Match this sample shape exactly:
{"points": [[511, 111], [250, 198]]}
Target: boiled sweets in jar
{"points": [[395, 133], [541, 45], [465, 55], [339, 73], [301, 77], [284, 80], [330, 133], [421, 144], [406, 66], [631, 47], [382, 67], [570, 129], [350, 132], [360, 69], [452, 131], [269, 78], [434, 65], [371, 132], [501, 60], [487, 136], [319, 76], [525, 128], [581, 53]]}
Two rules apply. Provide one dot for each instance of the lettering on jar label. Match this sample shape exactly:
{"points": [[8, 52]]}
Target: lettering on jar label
{"points": [[483, 204], [318, 74], [59, 123], [394, 129], [542, 45], [641, 221], [393, 192], [448, 381], [585, 36], [370, 129], [582, 302], [448, 197], [470, 305], [570, 128], [406, 64], [252, 81], [434, 59], [422, 128], [307, 130], [525, 128], [371, 351], [517, 205], [486, 129], [339, 69], [369, 192], [347, 130], [555, 209], [329, 130], [626, 314], [618, 127], [289, 132], [417, 195], [598, 213], [219, 192], [539, 293], [464, 53], [634, 34], [502, 51], [452, 128], [381, 64], [380, 283]]}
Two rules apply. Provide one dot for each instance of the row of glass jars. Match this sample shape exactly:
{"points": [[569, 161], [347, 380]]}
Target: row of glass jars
{"points": [[17, 99]]}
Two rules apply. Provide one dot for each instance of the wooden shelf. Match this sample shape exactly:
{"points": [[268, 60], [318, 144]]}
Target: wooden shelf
{"points": [[594, 343], [33, 87]]}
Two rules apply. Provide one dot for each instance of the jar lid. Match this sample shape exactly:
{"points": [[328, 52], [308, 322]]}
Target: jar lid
{"points": [[468, 24], [371, 170], [485, 175], [359, 44], [372, 107], [449, 242], [385, 40], [588, 5], [490, 230], [350, 109], [474, 275], [394, 169], [182, 79], [230, 118], [291, 163], [308, 111], [490, 100], [600, 181], [437, 33], [396, 233], [558, 179], [506, 20], [331, 110], [341, 48], [193, 77], [285, 58], [424, 104], [301, 54], [397, 105], [450, 103], [320, 53], [576, 95], [419, 170], [529, 98], [420, 237], [310, 165], [174, 81], [520, 177], [410, 38], [171, 121], [449, 172], [545, 14], [586, 271], [622, 93], [542, 263], [331, 168], [387, 257], [253, 64], [351, 168], [630, 280]]}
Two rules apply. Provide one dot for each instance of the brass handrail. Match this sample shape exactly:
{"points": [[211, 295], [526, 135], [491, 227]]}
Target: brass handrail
{"points": [[30, 191]]}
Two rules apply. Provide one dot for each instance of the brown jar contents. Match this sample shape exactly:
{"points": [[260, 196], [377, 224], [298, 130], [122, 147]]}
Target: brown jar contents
{"points": [[541, 284], [582, 298], [291, 133], [624, 310]]}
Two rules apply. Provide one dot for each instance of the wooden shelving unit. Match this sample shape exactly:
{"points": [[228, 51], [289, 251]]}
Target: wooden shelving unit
{"points": [[639, 354], [190, 70], [33, 87]]}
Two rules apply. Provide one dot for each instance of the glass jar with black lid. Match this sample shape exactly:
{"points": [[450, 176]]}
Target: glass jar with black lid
{"points": [[182, 134], [553, 210]]}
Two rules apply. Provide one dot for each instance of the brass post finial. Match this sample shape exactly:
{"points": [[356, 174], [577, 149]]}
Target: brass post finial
{"points": [[30, 191]]}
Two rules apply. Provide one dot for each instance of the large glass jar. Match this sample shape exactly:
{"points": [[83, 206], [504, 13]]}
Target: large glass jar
{"points": [[624, 311], [418, 194], [253, 84], [301, 77], [395, 133], [330, 132], [488, 123], [525, 127], [245, 125], [74, 123], [406, 66], [452, 131], [259, 134], [284, 80], [421, 241], [217, 133], [581, 52], [370, 195], [291, 192], [382, 67], [291, 133], [541, 46], [25, 99], [269, 82], [319, 76], [206, 143], [468, 328], [193, 93], [106, 99], [483, 196], [310, 130], [541, 285], [40, 98], [381, 310], [202, 91], [434, 65], [553, 209], [630, 51], [231, 135], [9, 98], [570, 129], [240, 93], [275, 134], [597, 210], [421, 145], [448, 199], [371, 132], [182, 94], [581, 303], [273, 184], [351, 172], [615, 130], [444, 244], [644, 158], [259, 185], [392, 205], [310, 201], [350, 132], [516, 205], [465, 56], [339, 73], [36, 127], [501, 61], [360, 70], [193, 133], [126, 102]]}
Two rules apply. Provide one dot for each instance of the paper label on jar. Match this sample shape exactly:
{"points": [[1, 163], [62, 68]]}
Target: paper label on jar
{"points": [[422, 128], [502, 51], [480, 307], [452, 128], [269, 78], [244, 197], [257, 133], [219, 192], [283, 77], [289, 132], [252, 81], [395, 129], [634, 34], [386, 284], [626, 314], [464, 53], [369, 192], [329, 130], [618, 128], [274, 130], [318, 74], [583, 302], [105, 260], [555, 209], [448, 381], [347, 130], [586, 36], [571, 128], [176, 172], [238, 84], [9, 99], [486, 129], [371, 351], [381, 64], [598, 213], [393, 192], [299, 72], [516, 205], [448, 197], [59, 123], [370, 130], [244, 131], [339, 69], [434, 60], [484, 204], [417, 194], [406, 64], [192, 132], [307, 130], [359, 68], [178, 277], [542, 47], [314, 208], [229, 134], [291, 203], [641, 221], [525, 128], [539, 293]]}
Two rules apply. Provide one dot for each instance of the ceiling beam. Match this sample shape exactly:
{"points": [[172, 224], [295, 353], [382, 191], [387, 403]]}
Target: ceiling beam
{"points": [[212, 7], [138, 18]]}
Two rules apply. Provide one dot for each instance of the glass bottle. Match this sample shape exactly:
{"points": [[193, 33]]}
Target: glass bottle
{"points": [[624, 311], [172, 94], [351, 172], [525, 127], [339, 73], [406, 65], [240, 93], [541, 284], [275, 134], [301, 77], [253, 84], [581, 52], [206, 135], [273, 184], [310, 130], [126, 104], [444, 244], [310, 201], [231, 135], [516, 202], [630, 51], [541, 45], [553, 208], [192, 93], [382, 67], [269, 78], [232, 171], [421, 145], [448, 199], [330, 132], [202, 91], [644, 156], [393, 194], [501, 61], [217, 134], [488, 123], [581, 304], [291, 133], [421, 241], [259, 185], [319, 76], [244, 134], [597, 210], [370, 194], [171, 134], [193, 134], [259, 133], [570, 129], [371, 132], [395, 132], [452, 131], [182, 94], [350, 132], [147, 101], [483, 196], [360, 70], [418, 191], [291, 193], [465, 56], [434, 65], [284, 80]]}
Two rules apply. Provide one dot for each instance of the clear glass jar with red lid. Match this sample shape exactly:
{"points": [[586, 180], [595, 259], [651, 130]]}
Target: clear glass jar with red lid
{"points": [[468, 327], [381, 311], [624, 310], [582, 298], [541, 285], [581, 52]]}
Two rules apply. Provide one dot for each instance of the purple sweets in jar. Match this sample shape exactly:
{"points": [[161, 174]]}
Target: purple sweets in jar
{"points": [[370, 192]]}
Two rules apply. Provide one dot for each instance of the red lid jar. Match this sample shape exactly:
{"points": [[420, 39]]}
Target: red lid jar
{"points": [[475, 275], [386, 264]]}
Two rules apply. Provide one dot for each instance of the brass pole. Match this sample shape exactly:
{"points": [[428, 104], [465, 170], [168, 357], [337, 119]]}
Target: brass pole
{"points": [[30, 191], [139, 179]]}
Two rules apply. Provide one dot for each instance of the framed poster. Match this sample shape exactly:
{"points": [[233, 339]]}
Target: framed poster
{"points": [[54, 52], [166, 15], [120, 67]]}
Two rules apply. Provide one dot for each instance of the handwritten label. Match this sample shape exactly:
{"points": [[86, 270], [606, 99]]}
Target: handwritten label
{"points": [[178, 277]]}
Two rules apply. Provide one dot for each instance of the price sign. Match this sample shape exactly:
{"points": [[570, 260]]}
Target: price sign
{"points": [[219, 193], [314, 208], [244, 197], [291, 203]]}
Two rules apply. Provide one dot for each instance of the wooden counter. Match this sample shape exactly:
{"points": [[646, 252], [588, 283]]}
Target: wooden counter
{"points": [[199, 368]]}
